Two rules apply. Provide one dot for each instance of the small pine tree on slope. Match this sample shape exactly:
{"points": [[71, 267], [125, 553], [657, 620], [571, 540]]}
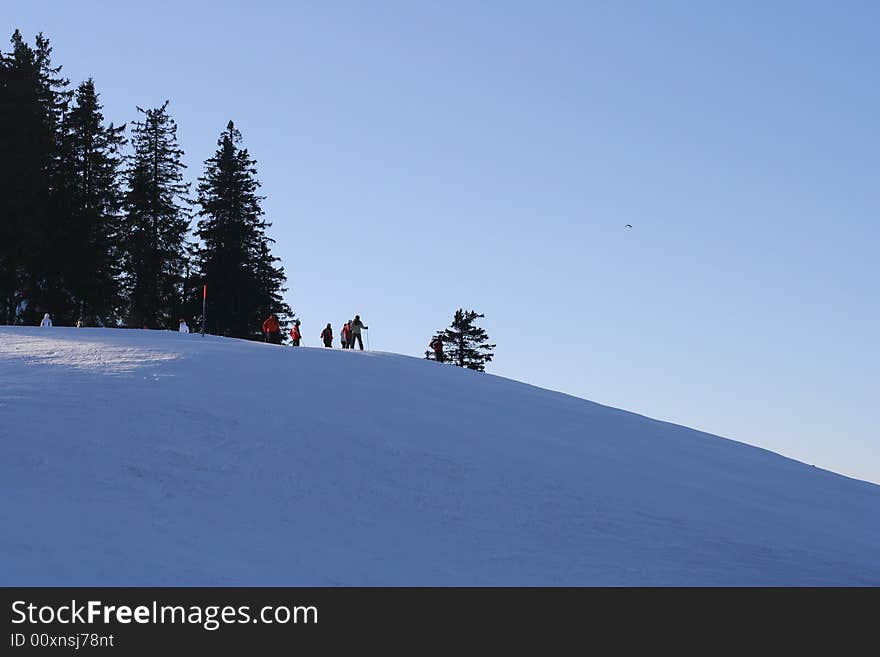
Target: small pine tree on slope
{"points": [[467, 345]]}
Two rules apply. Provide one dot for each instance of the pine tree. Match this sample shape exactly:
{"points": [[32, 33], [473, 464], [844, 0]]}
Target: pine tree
{"points": [[19, 171], [45, 286], [233, 257], [467, 344], [155, 223], [90, 265], [32, 104]]}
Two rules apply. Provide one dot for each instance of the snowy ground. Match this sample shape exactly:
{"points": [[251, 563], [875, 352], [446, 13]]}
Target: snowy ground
{"points": [[135, 457]]}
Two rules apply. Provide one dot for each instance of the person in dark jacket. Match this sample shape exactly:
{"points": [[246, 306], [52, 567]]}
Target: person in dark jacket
{"points": [[356, 326], [327, 336], [437, 346]]}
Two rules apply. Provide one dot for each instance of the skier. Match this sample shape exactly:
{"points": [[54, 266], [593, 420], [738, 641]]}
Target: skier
{"points": [[183, 327], [345, 335], [437, 346], [356, 326], [327, 336], [295, 334], [272, 329], [47, 321]]}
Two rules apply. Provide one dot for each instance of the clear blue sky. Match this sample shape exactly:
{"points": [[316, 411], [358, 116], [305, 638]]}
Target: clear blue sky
{"points": [[422, 156]]}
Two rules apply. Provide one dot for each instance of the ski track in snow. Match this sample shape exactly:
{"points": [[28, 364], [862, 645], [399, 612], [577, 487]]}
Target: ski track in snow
{"points": [[133, 457]]}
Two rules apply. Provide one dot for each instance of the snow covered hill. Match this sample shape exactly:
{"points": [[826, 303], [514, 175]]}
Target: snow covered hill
{"points": [[134, 457]]}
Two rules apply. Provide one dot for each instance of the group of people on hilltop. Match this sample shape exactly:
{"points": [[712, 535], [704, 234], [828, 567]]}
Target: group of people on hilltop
{"points": [[348, 335], [350, 332]]}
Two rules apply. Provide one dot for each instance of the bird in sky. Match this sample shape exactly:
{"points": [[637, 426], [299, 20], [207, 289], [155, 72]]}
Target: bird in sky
{"points": [[629, 226]]}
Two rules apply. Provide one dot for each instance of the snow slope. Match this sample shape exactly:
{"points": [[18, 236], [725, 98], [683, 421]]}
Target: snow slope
{"points": [[134, 457]]}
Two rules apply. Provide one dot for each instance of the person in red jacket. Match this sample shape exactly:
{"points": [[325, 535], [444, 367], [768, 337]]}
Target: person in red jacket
{"points": [[345, 335], [327, 336], [295, 334], [272, 329]]}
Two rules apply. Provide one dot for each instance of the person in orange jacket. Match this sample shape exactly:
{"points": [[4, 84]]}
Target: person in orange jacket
{"points": [[295, 334], [327, 336], [272, 329], [345, 335]]}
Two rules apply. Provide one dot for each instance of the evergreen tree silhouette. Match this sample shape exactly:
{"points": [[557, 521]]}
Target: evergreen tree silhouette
{"points": [[467, 345], [155, 223], [233, 255], [90, 262], [33, 99]]}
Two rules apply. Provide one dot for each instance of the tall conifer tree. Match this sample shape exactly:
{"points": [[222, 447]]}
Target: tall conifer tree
{"points": [[20, 174], [45, 284], [33, 99], [233, 256], [91, 261], [155, 223]]}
